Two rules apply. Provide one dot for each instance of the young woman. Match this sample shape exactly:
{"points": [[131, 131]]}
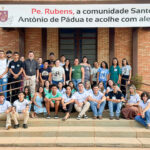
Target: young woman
{"points": [[87, 69], [62, 60], [101, 87], [28, 96], [103, 73], [131, 107], [38, 101], [88, 86], [61, 89], [67, 70], [67, 103], [144, 110], [126, 75], [73, 89], [115, 71], [46, 87]]}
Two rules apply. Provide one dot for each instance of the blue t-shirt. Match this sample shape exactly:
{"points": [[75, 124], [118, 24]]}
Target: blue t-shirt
{"points": [[103, 74]]}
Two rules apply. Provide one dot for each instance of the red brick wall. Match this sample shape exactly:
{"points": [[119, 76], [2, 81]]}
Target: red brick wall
{"points": [[33, 41], [9, 40]]}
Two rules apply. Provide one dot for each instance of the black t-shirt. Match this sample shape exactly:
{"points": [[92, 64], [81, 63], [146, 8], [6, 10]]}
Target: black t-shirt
{"points": [[16, 67], [66, 72], [45, 73], [113, 95]]}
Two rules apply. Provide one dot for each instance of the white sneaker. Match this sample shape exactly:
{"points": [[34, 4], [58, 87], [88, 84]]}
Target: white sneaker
{"points": [[8, 127]]}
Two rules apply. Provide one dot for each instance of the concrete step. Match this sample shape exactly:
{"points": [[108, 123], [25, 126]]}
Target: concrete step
{"points": [[105, 122], [76, 131], [74, 142]]}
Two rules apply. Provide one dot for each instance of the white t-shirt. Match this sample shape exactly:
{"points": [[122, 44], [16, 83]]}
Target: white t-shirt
{"points": [[126, 70], [57, 73], [94, 73], [20, 106], [61, 64], [133, 99], [88, 91], [66, 98], [80, 97], [98, 96], [62, 91], [3, 66], [144, 105], [4, 106]]}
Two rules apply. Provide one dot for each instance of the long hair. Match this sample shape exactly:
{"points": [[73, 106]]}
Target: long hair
{"points": [[29, 92], [145, 94], [115, 58], [68, 65], [43, 94], [106, 65], [125, 60], [86, 58], [129, 93], [102, 90], [71, 89]]}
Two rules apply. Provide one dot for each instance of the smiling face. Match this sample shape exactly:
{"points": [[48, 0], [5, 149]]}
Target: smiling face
{"points": [[145, 98], [21, 97], [31, 56], [2, 55], [68, 90], [95, 90], [2, 99]]}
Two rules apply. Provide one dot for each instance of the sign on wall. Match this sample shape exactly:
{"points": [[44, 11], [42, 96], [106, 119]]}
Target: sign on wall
{"points": [[87, 15]]}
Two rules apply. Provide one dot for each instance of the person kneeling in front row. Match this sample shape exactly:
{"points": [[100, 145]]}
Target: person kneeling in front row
{"points": [[115, 99], [5, 109], [97, 101], [20, 111]]}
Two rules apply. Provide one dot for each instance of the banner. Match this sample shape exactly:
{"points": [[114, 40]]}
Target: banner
{"points": [[84, 15]]}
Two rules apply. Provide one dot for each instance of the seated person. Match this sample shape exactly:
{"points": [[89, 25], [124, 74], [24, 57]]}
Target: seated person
{"points": [[88, 87], [5, 109], [61, 89], [132, 101], [81, 104], [67, 103], [38, 101], [73, 89], [144, 110], [115, 99], [20, 111], [97, 101], [53, 99]]}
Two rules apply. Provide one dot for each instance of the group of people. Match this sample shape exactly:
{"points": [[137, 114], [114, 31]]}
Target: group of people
{"points": [[30, 87]]}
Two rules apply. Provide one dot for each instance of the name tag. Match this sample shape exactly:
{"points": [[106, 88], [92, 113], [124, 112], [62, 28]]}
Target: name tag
{"points": [[12, 67], [115, 70]]}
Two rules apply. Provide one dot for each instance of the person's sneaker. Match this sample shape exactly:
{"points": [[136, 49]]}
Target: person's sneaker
{"points": [[100, 117], [85, 117], [25, 126], [111, 118], [56, 117], [8, 127], [79, 117], [48, 116], [94, 117], [117, 118], [16, 126], [148, 127]]}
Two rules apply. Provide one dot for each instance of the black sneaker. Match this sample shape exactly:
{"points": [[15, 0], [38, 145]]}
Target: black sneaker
{"points": [[85, 117], [16, 126], [79, 117], [117, 118], [56, 117], [48, 116], [25, 126], [111, 117]]}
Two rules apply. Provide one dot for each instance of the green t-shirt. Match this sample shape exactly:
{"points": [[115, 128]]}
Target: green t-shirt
{"points": [[76, 72], [50, 95], [114, 73], [27, 97], [73, 91]]}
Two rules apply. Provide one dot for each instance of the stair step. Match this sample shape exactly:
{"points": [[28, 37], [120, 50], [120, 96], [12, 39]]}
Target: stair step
{"points": [[74, 142]]}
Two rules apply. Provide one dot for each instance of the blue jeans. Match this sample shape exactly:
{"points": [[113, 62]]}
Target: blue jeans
{"points": [[75, 82], [96, 111], [144, 121], [56, 82], [114, 107], [4, 87]]}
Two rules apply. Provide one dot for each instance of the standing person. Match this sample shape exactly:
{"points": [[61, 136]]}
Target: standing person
{"points": [[5, 109], [45, 73], [81, 103], [22, 59], [67, 102], [9, 56], [67, 70], [97, 101], [53, 99], [115, 71], [31, 72], [52, 59], [103, 73], [58, 73], [115, 99], [126, 75], [38, 101], [94, 73], [20, 111], [3, 73], [62, 60], [132, 102], [144, 110], [40, 62], [76, 73], [87, 69], [16, 70]]}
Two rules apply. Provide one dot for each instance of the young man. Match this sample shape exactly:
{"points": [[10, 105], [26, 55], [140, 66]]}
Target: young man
{"points": [[115, 99], [3, 73], [51, 60], [20, 111], [81, 103], [45, 73], [31, 72], [53, 100], [5, 109], [15, 69], [97, 101]]}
